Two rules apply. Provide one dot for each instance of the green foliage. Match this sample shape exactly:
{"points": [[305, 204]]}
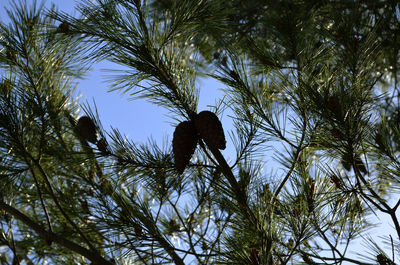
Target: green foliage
{"points": [[311, 90]]}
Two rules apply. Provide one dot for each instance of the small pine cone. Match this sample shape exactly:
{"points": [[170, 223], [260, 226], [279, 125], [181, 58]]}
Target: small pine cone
{"points": [[90, 192], [334, 105], [138, 229], [337, 181], [224, 61], [48, 240], [356, 41], [216, 55], [4, 121], [87, 129], [106, 187], [312, 188], [63, 27], [173, 226], [254, 256], [204, 246], [6, 86], [85, 206], [210, 129], [337, 134], [10, 55], [383, 260], [184, 144], [310, 199], [307, 259], [290, 243]]}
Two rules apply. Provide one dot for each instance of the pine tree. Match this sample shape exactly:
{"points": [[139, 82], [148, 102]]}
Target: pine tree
{"points": [[311, 89]]}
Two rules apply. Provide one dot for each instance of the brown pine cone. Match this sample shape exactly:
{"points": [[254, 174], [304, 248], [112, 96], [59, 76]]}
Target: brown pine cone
{"points": [[337, 181], [307, 259], [310, 199], [63, 27], [334, 105], [6, 86], [138, 229], [336, 133], [383, 260], [10, 55], [184, 144], [210, 129], [87, 129], [254, 256]]}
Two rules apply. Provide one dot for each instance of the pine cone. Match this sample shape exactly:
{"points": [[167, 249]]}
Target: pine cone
{"points": [[87, 129], [210, 129], [10, 55], [85, 206], [334, 105], [383, 260], [307, 259], [138, 229], [6, 86], [106, 187], [337, 134], [184, 144], [337, 181], [4, 121], [254, 256], [63, 27], [310, 199]]}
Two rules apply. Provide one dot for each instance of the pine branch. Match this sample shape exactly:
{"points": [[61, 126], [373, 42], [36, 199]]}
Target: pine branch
{"points": [[237, 189], [42, 201], [54, 197], [145, 219], [296, 156], [89, 254], [23, 256]]}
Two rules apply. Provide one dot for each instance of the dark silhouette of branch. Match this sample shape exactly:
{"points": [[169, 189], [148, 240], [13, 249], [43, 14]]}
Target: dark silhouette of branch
{"points": [[89, 254]]}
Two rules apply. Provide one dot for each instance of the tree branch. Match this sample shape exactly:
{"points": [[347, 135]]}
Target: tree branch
{"points": [[238, 191], [89, 254]]}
